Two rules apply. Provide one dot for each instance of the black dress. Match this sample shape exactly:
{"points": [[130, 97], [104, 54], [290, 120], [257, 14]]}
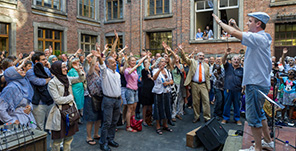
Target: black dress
{"points": [[148, 84]]}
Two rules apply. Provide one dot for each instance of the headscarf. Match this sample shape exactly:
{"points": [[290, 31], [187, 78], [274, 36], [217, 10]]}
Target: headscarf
{"points": [[17, 88], [39, 71], [50, 58], [56, 69]]}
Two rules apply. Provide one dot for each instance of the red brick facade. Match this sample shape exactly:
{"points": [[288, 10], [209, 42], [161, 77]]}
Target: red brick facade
{"points": [[178, 23]]}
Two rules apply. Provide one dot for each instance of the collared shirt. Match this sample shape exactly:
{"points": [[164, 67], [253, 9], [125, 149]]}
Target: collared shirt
{"points": [[196, 75], [233, 77], [288, 67], [111, 84], [257, 66]]}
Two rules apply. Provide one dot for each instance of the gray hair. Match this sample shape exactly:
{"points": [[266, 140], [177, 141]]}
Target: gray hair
{"points": [[107, 60], [46, 50], [158, 61], [235, 56]]}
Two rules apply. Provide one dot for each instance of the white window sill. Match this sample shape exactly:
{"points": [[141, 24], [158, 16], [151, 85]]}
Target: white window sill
{"points": [[283, 3], [201, 41]]}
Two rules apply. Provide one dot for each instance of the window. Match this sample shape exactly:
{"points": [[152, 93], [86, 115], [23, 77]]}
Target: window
{"points": [[203, 21], [55, 4], [155, 40], [114, 9], [157, 7], [88, 43], [285, 34], [48, 37], [110, 40], [4, 37], [228, 9], [87, 8]]}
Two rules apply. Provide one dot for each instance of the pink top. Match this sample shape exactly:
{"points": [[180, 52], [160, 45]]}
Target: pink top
{"points": [[131, 79]]}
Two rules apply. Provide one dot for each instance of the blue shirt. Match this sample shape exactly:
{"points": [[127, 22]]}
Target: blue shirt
{"points": [[288, 67], [257, 66], [210, 33], [199, 35], [139, 71], [290, 86], [233, 77]]}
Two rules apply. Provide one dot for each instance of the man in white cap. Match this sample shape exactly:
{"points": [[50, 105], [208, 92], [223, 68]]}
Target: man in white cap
{"points": [[257, 68]]}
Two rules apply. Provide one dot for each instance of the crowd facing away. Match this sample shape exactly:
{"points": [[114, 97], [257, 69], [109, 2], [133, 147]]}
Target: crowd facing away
{"points": [[108, 88]]}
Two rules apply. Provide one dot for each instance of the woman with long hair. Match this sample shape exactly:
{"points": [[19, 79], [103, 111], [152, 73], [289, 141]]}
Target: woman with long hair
{"points": [[131, 93]]}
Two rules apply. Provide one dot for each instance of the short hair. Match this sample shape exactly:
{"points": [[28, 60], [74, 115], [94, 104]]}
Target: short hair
{"points": [[5, 63], [263, 26], [37, 55], [11, 57], [235, 56], [106, 60], [27, 63], [46, 50], [157, 61]]}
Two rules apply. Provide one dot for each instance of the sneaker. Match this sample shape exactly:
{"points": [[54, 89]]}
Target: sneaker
{"points": [[252, 148], [223, 122], [267, 145], [291, 124]]}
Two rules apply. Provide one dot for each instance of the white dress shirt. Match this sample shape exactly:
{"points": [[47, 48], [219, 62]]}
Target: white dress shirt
{"points": [[111, 84], [196, 75]]}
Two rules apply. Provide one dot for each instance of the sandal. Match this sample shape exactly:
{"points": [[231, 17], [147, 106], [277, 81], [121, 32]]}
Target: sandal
{"points": [[97, 138], [129, 129], [167, 129], [90, 141], [159, 132]]}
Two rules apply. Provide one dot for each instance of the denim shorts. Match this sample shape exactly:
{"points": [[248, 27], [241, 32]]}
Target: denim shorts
{"points": [[123, 91], [254, 105], [131, 96]]}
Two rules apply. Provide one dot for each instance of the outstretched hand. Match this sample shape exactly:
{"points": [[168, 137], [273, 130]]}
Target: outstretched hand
{"points": [[228, 51], [285, 50], [217, 19]]}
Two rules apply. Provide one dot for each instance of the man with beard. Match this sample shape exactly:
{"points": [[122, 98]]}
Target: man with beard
{"points": [[232, 87], [199, 77]]}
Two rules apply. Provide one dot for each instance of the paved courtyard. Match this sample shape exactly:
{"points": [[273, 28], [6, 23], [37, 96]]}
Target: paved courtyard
{"points": [[148, 139]]}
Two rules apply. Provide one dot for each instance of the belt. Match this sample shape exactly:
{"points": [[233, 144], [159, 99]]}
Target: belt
{"points": [[117, 98], [199, 82], [132, 89]]}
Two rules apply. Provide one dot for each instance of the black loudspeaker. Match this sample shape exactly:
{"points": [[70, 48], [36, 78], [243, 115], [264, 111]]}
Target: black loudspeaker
{"points": [[212, 135]]}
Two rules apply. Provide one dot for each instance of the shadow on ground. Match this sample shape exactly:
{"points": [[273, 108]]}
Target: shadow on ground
{"points": [[148, 139]]}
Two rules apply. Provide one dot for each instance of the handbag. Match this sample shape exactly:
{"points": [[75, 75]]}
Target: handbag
{"points": [[71, 114], [96, 103]]}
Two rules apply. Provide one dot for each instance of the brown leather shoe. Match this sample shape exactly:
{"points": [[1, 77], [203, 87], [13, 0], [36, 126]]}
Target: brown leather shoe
{"points": [[223, 122], [174, 120], [195, 120], [179, 117], [239, 123]]}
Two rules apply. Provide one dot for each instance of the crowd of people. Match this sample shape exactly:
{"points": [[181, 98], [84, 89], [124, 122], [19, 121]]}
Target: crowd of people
{"points": [[107, 88]]}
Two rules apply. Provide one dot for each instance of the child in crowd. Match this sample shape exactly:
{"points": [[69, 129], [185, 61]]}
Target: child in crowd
{"points": [[289, 96], [27, 66]]}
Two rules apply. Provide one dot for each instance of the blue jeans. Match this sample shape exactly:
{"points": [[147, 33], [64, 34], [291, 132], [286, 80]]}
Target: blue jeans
{"points": [[111, 113], [254, 105], [230, 97], [218, 108]]}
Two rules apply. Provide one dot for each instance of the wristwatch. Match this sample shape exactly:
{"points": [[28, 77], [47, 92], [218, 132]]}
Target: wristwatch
{"points": [[219, 22]]}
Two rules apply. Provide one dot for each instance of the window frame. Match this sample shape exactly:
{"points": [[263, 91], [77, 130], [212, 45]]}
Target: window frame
{"points": [[118, 9], [148, 40], [89, 6], [216, 29], [52, 5], [90, 44], [280, 40], [155, 7], [119, 42], [6, 36], [275, 3], [53, 40]]}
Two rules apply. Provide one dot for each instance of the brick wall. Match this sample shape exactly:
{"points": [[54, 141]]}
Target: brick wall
{"points": [[179, 23]]}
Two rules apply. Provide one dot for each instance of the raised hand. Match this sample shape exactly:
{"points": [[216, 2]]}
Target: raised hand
{"points": [[76, 67], [217, 19], [79, 50], [180, 46], [285, 50], [126, 46], [50, 49], [164, 45], [232, 22], [116, 34], [95, 53], [20, 56], [98, 48], [31, 54], [228, 51]]}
